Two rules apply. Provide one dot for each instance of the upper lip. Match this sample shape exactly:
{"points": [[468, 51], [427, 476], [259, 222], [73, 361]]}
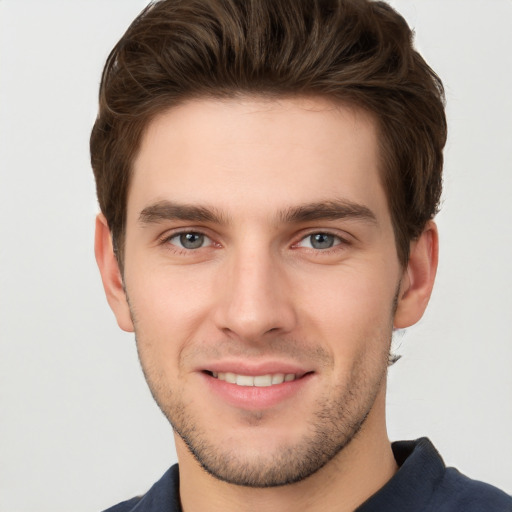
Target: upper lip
{"points": [[253, 368]]}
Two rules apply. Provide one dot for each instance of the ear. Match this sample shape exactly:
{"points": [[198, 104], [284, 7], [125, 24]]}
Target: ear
{"points": [[111, 275], [418, 278]]}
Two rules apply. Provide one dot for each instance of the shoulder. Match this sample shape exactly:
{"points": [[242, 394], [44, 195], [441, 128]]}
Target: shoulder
{"points": [[124, 506], [423, 482], [163, 495], [458, 492]]}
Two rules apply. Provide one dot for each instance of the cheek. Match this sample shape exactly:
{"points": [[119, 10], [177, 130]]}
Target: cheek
{"points": [[168, 309], [350, 308], [169, 295]]}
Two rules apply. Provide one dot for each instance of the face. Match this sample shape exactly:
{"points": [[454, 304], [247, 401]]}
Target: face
{"points": [[262, 277]]}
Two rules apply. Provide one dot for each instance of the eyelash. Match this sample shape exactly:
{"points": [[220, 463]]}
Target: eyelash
{"points": [[341, 244], [166, 241]]}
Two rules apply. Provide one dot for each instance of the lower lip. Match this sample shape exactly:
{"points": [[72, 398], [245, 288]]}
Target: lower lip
{"points": [[253, 397]]}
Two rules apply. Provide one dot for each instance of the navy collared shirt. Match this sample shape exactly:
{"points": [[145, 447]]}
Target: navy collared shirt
{"points": [[422, 484]]}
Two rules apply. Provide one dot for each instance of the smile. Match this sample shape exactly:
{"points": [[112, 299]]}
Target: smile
{"points": [[255, 380], [257, 389]]}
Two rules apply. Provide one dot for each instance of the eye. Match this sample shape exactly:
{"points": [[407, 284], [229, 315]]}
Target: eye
{"points": [[320, 241], [190, 240]]}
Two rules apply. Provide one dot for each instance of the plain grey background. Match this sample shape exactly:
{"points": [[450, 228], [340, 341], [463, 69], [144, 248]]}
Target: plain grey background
{"points": [[78, 428]]}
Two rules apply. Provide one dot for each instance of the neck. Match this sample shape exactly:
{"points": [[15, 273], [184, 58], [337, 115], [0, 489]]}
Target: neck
{"points": [[344, 483]]}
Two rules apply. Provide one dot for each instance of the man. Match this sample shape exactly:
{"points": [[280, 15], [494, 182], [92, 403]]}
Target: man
{"points": [[268, 172]]}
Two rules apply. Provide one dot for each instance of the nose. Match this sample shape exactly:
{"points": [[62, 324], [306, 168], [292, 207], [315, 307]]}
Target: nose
{"points": [[256, 297]]}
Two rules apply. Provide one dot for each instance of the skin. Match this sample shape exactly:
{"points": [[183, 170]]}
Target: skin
{"points": [[257, 294]]}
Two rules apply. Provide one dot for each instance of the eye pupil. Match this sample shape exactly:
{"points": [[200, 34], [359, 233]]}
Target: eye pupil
{"points": [[191, 240], [322, 241]]}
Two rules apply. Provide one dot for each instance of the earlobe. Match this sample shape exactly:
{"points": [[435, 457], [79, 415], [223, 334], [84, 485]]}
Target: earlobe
{"points": [[418, 279], [111, 275]]}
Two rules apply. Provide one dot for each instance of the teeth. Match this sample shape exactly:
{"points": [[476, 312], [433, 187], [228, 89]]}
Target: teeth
{"points": [[259, 381], [278, 378], [230, 377], [244, 380], [263, 380]]}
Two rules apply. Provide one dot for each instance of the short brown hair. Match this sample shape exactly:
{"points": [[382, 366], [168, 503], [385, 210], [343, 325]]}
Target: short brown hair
{"points": [[358, 52]]}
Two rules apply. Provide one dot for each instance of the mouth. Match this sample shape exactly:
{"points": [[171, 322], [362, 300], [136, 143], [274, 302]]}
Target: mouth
{"points": [[257, 389], [259, 381], [257, 385]]}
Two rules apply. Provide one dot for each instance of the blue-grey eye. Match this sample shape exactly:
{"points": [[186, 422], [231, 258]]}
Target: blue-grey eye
{"points": [[320, 241], [190, 240]]}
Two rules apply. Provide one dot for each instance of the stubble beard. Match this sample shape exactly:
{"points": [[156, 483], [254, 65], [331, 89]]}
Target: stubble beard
{"points": [[338, 417], [335, 423]]}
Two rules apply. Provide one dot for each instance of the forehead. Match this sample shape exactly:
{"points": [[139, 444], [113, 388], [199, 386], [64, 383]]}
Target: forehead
{"points": [[268, 154]]}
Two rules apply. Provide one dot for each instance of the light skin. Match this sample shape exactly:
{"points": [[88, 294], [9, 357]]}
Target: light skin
{"points": [[259, 244]]}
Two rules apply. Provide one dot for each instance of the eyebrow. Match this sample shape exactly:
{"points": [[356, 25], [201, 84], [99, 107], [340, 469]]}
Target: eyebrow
{"points": [[323, 210], [168, 210], [328, 210]]}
